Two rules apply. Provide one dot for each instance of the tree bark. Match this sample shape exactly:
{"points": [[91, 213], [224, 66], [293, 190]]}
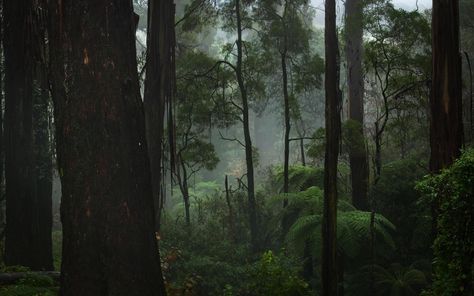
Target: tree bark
{"points": [[23, 229], [355, 78], [329, 270], [158, 87], [446, 91], [109, 244]]}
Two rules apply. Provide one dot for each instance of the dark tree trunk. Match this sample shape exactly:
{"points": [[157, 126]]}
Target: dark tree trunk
{"points": [[28, 158], [2, 143], [446, 92], [357, 151], [185, 193], [329, 273], [19, 162], [109, 244], [43, 182], [247, 139], [303, 158], [158, 86]]}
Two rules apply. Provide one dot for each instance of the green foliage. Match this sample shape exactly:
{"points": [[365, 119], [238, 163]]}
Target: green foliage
{"points": [[453, 191], [273, 275], [300, 177], [396, 280], [396, 198], [33, 284]]}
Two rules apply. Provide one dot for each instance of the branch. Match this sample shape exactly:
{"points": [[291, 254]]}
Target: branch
{"points": [[231, 139]]}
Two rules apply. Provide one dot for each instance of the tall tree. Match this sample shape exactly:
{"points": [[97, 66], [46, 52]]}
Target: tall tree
{"points": [[329, 272], [28, 166], [355, 78], [109, 244], [158, 87], [446, 89]]}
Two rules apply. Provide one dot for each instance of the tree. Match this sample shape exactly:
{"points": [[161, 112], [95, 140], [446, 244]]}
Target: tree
{"points": [[28, 164], [446, 89], [397, 59], [159, 88], [242, 70], [329, 270], [109, 244], [196, 111], [355, 77]]}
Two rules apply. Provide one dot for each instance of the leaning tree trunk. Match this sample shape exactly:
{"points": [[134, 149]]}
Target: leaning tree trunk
{"points": [[355, 78], [109, 244], [329, 274], [446, 91]]}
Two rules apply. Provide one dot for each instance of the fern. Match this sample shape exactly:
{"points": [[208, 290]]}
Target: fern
{"points": [[353, 231]]}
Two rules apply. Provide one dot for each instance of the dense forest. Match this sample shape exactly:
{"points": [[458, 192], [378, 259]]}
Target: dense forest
{"points": [[236, 147]]}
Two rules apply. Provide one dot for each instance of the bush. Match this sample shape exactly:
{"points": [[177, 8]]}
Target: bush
{"points": [[453, 192]]}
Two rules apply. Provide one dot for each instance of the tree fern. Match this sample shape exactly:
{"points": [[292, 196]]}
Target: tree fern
{"points": [[353, 231]]}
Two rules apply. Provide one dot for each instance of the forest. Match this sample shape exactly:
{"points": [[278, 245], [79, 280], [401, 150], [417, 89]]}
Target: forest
{"points": [[236, 147]]}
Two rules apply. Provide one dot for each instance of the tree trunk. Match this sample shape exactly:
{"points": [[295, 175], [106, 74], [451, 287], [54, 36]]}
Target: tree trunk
{"points": [[329, 274], [446, 91], [286, 100], [247, 139], [303, 159], [43, 174], [158, 86], [19, 160], [109, 244], [357, 152]]}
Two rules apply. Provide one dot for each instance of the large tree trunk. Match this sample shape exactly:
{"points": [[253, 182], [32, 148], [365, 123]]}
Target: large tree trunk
{"points": [[29, 160], [355, 78], [446, 91], [18, 135], [329, 274], [247, 139], [158, 86], [109, 244], [43, 175]]}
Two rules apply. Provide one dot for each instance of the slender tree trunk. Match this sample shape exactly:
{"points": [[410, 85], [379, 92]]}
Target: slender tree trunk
{"points": [[446, 92], [19, 164], [185, 192], [109, 244], [329, 272], [233, 235], [247, 139], [158, 86], [357, 151], [286, 100], [303, 158]]}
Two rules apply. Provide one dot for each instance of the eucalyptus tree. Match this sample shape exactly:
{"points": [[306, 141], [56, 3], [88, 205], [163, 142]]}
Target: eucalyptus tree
{"points": [[397, 61], [109, 243], [28, 163], [285, 33], [197, 111], [447, 131], [353, 29], [245, 60], [329, 268]]}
